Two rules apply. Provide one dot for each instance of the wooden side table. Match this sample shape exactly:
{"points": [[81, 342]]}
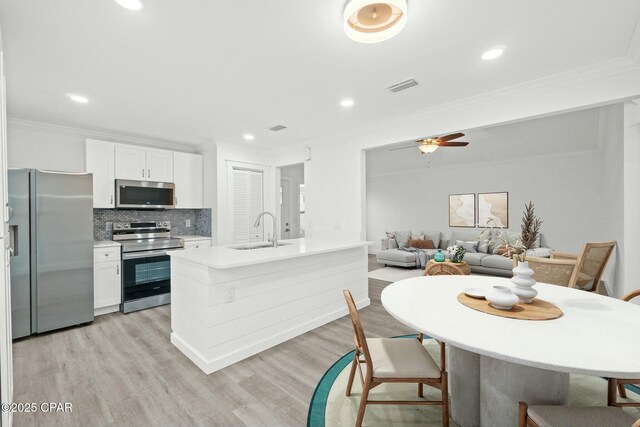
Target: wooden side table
{"points": [[446, 267]]}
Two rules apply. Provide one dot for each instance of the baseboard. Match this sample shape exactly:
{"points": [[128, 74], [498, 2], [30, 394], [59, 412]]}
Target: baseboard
{"points": [[209, 366], [106, 310]]}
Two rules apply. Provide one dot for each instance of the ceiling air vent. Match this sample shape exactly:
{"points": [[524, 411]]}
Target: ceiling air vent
{"points": [[399, 87], [277, 128]]}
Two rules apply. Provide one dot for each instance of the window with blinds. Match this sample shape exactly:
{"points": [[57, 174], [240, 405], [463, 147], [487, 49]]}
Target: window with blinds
{"points": [[248, 203]]}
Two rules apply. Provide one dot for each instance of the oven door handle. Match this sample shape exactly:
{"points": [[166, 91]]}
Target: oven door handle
{"points": [[143, 255]]}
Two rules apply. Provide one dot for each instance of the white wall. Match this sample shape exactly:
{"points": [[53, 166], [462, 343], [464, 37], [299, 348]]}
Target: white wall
{"points": [[418, 200], [531, 163], [631, 247], [45, 148]]}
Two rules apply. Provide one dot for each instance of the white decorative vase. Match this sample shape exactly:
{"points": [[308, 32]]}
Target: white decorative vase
{"points": [[501, 297], [523, 281]]}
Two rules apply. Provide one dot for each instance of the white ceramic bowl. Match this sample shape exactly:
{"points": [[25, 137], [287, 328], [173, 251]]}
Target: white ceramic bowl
{"points": [[501, 297], [475, 292]]}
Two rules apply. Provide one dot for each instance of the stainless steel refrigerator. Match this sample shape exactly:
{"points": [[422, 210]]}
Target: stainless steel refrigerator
{"points": [[51, 233]]}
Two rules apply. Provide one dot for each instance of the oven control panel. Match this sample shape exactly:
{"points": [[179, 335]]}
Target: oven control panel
{"points": [[142, 225]]}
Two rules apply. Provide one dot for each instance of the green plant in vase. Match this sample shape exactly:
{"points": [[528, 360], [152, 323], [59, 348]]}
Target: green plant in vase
{"points": [[456, 253]]}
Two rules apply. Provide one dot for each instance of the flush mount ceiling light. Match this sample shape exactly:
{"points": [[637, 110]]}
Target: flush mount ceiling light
{"points": [[347, 102], [248, 137], [371, 21], [77, 98], [493, 53], [130, 4]]}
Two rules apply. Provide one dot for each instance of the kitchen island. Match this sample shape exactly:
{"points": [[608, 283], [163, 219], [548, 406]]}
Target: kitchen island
{"points": [[229, 303]]}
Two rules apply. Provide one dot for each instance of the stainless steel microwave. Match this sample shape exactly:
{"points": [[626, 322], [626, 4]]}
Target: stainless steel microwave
{"points": [[144, 195]]}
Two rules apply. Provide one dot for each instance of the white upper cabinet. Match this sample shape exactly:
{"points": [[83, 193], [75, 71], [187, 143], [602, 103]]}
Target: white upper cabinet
{"points": [[143, 164], [187, 174], [160, 165], [131, 162], [100, 161]]}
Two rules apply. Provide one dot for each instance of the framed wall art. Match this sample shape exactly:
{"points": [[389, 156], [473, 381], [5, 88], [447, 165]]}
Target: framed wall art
{"points": [[462, 210], [493, 210]]}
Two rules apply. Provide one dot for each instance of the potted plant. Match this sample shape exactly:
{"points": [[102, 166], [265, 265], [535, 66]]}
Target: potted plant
{"points": [[456, 253]]}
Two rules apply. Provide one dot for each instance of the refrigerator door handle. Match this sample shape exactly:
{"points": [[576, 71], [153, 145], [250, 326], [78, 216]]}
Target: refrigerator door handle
{"points": [[13, 240], [9, 211]]}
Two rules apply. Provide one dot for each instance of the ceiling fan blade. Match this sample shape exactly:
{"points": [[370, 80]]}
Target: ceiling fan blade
{"points": [[402, 148], [453, 144], [450, 137]]}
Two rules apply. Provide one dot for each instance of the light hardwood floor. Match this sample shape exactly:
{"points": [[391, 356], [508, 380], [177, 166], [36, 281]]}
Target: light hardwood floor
{"points": [[123, 370]]}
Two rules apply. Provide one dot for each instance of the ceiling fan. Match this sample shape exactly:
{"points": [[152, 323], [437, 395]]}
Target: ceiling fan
{"points": [[429, 145]]}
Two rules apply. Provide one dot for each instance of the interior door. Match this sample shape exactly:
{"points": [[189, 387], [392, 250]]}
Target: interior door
{"points": [[285, 208], [248, 203]]}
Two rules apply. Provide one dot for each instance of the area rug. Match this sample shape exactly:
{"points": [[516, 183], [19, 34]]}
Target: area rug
{"points": [[329, 406], [393, 274]]}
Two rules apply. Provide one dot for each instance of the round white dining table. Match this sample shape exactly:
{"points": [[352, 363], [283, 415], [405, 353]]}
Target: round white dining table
{"points": [[494, 362]]}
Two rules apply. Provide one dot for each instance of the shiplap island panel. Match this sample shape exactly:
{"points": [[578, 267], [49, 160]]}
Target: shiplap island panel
{"points": [[229, 304]]}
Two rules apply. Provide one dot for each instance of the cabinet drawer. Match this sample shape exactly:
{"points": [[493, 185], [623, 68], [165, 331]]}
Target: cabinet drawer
{"points": [[106, 254], [194, 244]]}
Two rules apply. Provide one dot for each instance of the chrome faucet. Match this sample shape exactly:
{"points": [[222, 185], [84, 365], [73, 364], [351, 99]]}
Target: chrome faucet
{"points": [[274, 240]]}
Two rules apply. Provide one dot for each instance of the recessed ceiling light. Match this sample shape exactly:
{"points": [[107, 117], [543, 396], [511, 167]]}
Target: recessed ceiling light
{"points": [[248, 137], [130, 4], [347, 102], [493, 53], [77, 98], [372, 21]]}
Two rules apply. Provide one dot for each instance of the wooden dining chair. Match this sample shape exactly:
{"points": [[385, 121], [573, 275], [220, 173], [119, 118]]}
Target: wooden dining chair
{"points": [[553, 271], [394, 360], [572, 416], [616, 385], [590, 264]]}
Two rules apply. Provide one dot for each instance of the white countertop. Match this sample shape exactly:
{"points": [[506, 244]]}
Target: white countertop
{"points": [[105, 243], [223, 257], [597, 335]]}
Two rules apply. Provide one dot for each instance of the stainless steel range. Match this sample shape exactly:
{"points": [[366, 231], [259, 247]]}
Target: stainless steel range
{"points": [[146, 267]]}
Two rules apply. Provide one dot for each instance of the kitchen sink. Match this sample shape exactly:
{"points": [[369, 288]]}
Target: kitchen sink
{"points": [[251, 246]]}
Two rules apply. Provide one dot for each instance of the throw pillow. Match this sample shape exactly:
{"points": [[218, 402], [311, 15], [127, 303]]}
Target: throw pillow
{"points": [[470, 247], [421, 244], [500, 250], [539, 252], [402, 237], [434, 236], [393, 243], [420, 237]]}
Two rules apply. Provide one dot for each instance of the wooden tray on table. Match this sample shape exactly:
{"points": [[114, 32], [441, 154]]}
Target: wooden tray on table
{"points": [[537, 310]]}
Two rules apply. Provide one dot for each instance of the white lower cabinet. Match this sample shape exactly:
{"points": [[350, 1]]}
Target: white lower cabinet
{"points": [[107, 291], [194, 243]]}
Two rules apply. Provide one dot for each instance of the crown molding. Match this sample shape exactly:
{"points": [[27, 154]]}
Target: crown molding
{"points": [[103, 135]]}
